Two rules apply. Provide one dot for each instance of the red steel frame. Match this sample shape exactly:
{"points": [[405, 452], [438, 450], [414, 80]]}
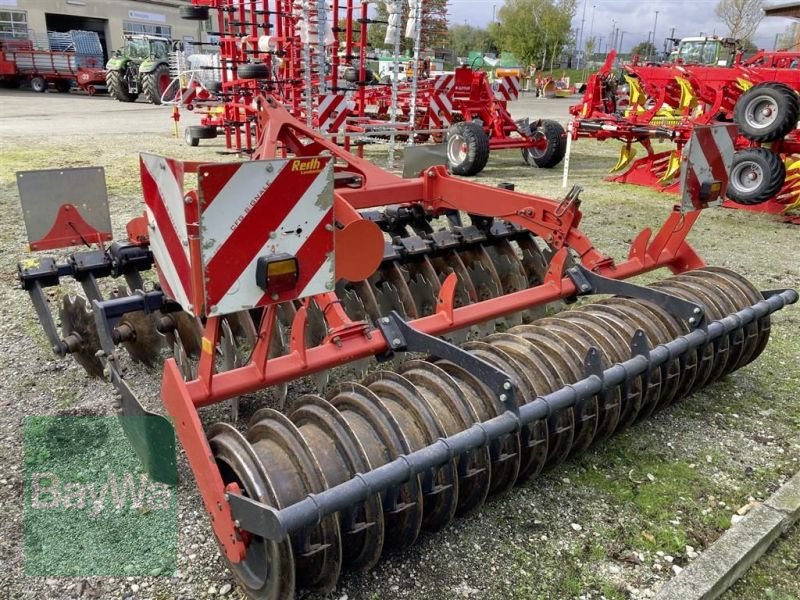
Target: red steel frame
{"points": [[557, 223]]}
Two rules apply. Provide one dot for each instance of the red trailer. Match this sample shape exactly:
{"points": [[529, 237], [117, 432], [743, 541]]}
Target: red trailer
{"points": [[20, 62]]}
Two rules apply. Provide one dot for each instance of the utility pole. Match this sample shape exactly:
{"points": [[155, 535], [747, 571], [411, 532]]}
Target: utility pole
{"points": [[621, 37], [580, 35], [494, 12], [655, 25]]}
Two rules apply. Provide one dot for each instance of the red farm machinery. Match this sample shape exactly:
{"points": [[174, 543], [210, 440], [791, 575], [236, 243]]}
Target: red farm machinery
{"points": [[308, 258], [666, 103], [21, 63], [314, 61]]}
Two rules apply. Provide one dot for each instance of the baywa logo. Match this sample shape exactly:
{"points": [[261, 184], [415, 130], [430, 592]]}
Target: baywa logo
{"points": [[93, 505], [118, 493]]}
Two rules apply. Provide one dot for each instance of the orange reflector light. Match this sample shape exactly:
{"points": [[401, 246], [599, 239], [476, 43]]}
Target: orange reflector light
{"points": [[278, 273]]}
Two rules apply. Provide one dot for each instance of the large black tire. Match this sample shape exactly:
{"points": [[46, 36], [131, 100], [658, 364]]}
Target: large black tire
{"points": [[351, 76], [757, 174], [467, 148], [767, 112], [118, 87], [194, 13], [552, 133], [39, 84], [155, 83], [194, 133], [252, 71]]}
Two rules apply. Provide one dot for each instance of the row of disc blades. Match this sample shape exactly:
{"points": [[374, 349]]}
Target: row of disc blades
{"points": [[321, 442], [487, 266]]}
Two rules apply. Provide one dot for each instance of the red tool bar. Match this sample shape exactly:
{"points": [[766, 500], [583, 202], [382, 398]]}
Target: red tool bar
{"points": [[668, 249]]}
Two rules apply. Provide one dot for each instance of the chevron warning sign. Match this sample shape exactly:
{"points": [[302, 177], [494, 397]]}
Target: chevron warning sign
{"points": [[265, 208], [162, 184], [332, 112]]}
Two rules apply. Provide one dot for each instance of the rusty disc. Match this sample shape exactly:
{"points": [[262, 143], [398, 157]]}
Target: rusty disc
{"points": [[577, 343], [283, 451], [754, 296], [447, 401], [267, 570], [341, 457], [383, 440], [566, 369], [543, 378], [649, 320], [77, 319], [422, 428], [534, 437], [736, 298], [719, 349], [505, 451], [625, 325]]}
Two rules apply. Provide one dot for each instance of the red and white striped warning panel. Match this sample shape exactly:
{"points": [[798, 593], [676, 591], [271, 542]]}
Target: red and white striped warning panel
{"points": [[440, 110], [332, 112], [444, 83], [162, 184], [508, 88], [265, 208], [706, 166]]}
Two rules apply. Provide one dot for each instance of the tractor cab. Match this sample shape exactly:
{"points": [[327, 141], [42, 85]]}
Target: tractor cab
{"points": [[704, 50], [143, 47]]}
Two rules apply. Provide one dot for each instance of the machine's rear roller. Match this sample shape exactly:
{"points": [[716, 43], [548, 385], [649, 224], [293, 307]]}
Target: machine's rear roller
{"points": [[363, 426]]}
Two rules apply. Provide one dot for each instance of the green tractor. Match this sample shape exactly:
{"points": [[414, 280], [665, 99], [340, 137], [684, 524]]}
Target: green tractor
{"points": [[140, 67]]}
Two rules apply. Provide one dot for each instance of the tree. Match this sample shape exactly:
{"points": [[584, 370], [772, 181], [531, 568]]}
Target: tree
{"points": [[644, 49], [534, 30], [741, 16], [465, 38], [590, 48]]}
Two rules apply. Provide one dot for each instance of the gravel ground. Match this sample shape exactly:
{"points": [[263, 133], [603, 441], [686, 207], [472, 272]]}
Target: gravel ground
{"points": [[616, 523]]}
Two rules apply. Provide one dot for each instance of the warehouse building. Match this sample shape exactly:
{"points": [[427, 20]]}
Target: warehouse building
{"points": [[32, 19]]}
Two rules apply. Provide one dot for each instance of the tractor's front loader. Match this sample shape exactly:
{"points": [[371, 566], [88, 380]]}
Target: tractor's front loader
{"points": [[307, 259]]}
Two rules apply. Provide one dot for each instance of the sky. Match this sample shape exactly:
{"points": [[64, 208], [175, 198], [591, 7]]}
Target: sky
{"points": [[634, 17]]}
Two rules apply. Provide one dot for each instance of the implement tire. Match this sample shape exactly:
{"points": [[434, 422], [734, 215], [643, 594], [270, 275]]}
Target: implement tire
{"points": [[767, 112], [467, 148], [194, 133], [118, 87], [553, 153], [757, 174], [255, 71]]}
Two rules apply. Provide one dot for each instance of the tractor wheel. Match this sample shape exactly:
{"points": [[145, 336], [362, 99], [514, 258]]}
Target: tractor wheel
{"points": [[156, 83], [467, 148], [767, 112], [757, 174], [39, 85], [194, 133], [194, 13], [551, 145], [252, 71], [118, 87]]}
